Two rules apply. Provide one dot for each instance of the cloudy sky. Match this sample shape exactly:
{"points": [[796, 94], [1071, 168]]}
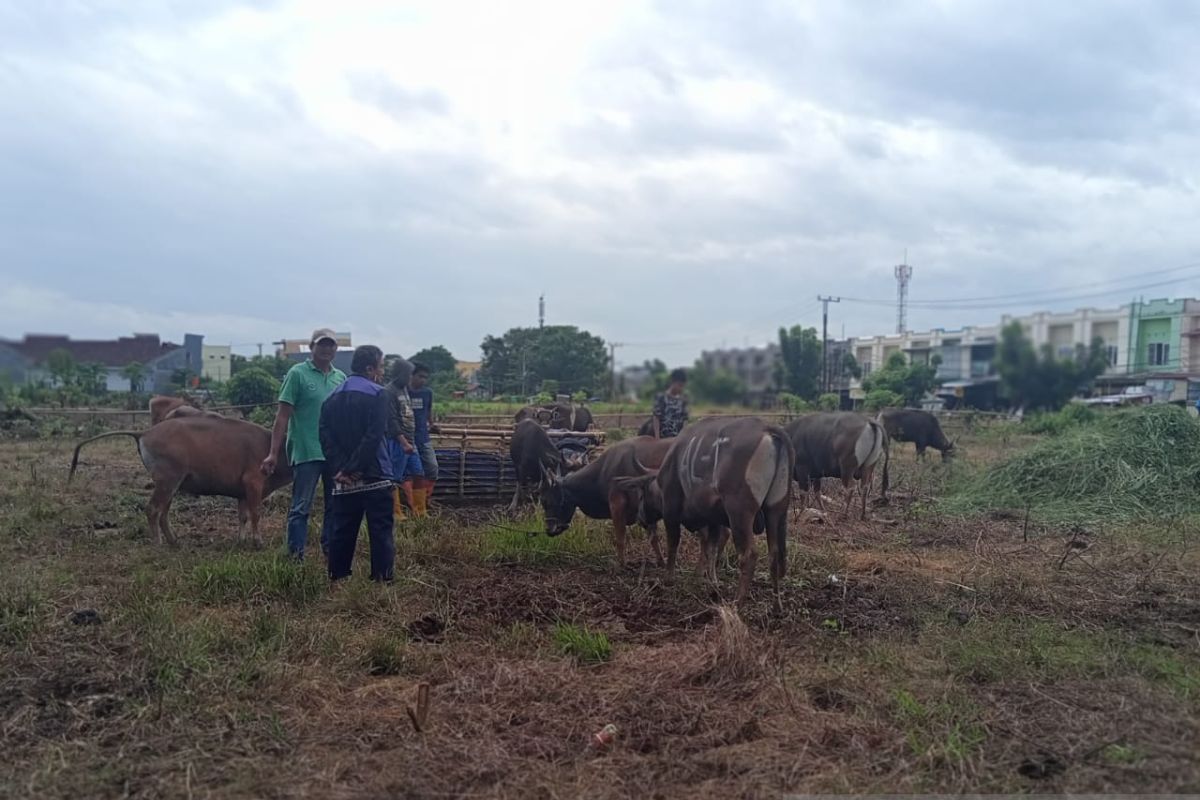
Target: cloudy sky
{"points": [[673, 176]]}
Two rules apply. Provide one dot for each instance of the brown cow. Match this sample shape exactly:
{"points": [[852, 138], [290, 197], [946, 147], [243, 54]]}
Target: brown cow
{"points": [[838, 444], [594, 490], [206, 454], [166, 407], [726, 473]]}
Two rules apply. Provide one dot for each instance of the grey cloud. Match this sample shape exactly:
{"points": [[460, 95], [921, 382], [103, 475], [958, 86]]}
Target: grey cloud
{"points": [[395, 100]]}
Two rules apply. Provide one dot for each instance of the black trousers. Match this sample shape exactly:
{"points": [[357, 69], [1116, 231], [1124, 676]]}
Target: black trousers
{"points": [[348, 513]]}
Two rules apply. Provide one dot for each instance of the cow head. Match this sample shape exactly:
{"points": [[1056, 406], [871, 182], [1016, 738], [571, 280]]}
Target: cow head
{"points": [[949, 452], [558, 506]]}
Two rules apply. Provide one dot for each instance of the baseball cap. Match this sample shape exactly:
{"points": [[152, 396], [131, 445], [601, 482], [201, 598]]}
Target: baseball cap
{"points": [[322, 333]]}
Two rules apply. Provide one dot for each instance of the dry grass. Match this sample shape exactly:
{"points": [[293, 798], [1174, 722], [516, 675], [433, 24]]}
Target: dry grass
{"points": [[913, 652]]}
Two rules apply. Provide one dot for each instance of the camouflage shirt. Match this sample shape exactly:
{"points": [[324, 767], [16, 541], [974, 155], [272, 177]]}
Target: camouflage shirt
{"points": [[672, 413]]}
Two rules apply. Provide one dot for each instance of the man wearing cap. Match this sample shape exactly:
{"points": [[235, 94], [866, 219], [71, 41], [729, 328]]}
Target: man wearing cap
{"points": [[300, 399]]}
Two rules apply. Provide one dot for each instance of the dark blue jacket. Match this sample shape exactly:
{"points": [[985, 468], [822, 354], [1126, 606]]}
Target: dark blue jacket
{"points": [[422, 405], [354, 422]]}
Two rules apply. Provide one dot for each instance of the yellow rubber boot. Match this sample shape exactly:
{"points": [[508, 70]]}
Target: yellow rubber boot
{"points": [[397, 506], [420, 509]]}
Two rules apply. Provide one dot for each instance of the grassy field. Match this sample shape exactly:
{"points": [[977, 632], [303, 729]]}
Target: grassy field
{"points": [[919, 651]]}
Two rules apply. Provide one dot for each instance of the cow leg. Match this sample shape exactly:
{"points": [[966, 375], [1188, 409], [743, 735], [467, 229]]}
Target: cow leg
{"points": [[722, 541], [516, 501], [158, 510], [254, 508], [655, 545], [673, 535], [243, 517], [742, 526], [848, 490], [868, 477], [777, 543], [616, 509], [713, 544]]}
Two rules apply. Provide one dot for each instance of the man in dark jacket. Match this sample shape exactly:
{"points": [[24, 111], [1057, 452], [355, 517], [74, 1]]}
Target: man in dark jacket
{"points": [[354, 423]]}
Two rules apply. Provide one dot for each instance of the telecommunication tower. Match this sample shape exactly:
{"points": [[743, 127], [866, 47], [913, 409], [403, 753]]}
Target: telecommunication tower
{"points": [[903, 276]]}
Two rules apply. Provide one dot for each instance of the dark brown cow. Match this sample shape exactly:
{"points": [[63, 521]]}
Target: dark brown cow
{"points": [[594, 490], [838, 444], [205, 454], [727, 473], [537, 460], [916, 426], [558, 416]]}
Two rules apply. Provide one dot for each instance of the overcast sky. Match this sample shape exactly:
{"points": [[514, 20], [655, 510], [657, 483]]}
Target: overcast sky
{"points": [[673, 176]]}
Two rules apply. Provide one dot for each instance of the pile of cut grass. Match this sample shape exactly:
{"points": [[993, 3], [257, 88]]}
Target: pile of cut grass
{"points": [[1139, 463]]}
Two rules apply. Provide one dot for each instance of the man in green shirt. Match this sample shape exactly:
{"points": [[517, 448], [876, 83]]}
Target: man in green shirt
{"points": [[300, 399]]}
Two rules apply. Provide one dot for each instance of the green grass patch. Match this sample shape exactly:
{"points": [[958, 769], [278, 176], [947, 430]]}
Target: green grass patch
{"points": [[386, 654], [944, 730], [20, 609], [998, 650], [525, 543], [249, 578], [586, 646], [1134, 464]]}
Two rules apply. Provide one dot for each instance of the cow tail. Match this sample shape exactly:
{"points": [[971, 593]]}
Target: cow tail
{"points": [[887, 457], [136, 435]]}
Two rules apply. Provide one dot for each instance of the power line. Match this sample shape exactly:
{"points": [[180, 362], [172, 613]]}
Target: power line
{"points": [[1018, 301], [1041, 295]]}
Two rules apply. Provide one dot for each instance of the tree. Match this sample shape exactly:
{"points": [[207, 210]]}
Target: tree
{"points": [[518, 361], [253, 387], [799, 369], [879, 399], [438, 359], [135, 373], [61, 366], [1044, 382], [830, 401], [718, 386], [276, 366], [90, 377], [659, 375], [911, 382]]}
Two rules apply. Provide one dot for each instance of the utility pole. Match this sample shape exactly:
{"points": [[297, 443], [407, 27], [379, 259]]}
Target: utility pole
{"points": [[612, 361], [260, 344], [825, 301]]}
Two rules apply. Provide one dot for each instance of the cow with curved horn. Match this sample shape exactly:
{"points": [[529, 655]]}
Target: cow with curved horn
{"points": [[595, 490], [538, 461], [721, 478]]}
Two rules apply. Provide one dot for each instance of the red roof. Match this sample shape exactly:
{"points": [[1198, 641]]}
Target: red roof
{"points": [[141, 347]]}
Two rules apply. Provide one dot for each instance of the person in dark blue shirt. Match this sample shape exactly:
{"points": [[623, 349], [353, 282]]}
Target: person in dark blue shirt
{"points": [[354, 426], [422, 406]]}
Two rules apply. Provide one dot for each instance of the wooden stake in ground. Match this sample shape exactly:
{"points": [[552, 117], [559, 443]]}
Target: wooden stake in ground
{"points": [[421, 714]]}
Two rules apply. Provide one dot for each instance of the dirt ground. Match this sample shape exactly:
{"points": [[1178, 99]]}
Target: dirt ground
{"points": [[911, 653]]}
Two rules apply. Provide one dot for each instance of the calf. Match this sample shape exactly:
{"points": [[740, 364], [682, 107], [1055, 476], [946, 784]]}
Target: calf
{"points": [[597, 491], [919, 427], [204, 454], [838, 444], [727, 473]]}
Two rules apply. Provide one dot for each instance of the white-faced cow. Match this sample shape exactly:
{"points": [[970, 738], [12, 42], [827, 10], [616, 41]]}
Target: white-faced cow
{"points": [[838, 444], [916, 426], [203, 454], [595, 491], [720, 474], [538, 461]]}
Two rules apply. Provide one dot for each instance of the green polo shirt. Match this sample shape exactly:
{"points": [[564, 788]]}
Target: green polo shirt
{"points": [[305, 388]]}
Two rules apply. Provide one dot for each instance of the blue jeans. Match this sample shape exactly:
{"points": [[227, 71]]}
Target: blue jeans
{"points": [[304, 489], [348, 512]]}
